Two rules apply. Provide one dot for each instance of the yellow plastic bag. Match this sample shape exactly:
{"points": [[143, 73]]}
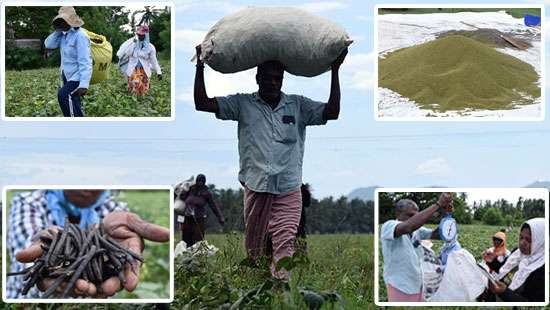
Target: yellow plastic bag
{"points": [[102, 56]]}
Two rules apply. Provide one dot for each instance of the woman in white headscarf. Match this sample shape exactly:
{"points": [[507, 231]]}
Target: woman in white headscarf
{"points": [[137, 60], [528, 281]]}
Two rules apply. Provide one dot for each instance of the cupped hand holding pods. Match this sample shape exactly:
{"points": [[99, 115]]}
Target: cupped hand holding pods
{"points": [[127, 230], [33, 252]]}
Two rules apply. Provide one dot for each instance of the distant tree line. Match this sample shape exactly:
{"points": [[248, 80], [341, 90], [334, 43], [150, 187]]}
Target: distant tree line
{"points": [[325, 216], [500, 212]]}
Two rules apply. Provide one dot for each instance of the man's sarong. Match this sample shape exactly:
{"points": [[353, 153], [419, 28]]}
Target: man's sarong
{"points": [[275, 216], [395, 295]]}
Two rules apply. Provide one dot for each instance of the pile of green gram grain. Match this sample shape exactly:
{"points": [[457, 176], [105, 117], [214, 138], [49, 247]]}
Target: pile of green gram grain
{"points": [[459, 73]]}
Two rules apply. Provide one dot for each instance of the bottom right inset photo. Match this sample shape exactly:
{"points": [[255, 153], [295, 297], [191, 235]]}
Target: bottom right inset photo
{"points": [[461, 246]]}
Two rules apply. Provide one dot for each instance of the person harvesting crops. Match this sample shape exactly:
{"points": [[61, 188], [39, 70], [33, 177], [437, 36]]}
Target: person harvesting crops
{"points": [[271, 134], [527, 283], [137, 59], [76, 59], [36, 214], [401, 249], [196, 199]]}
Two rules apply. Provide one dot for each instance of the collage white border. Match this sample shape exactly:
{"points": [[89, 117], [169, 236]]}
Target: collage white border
{"points": [[170, 190], [454, 118], [541, 191], [87, 118]]}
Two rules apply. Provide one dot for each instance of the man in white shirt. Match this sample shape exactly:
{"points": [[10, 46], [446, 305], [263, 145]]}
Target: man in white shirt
{"points": [[401, 250]]}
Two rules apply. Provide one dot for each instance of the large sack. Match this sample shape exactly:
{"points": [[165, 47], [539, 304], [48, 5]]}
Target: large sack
{"points": [[102, 55], [306, 44], [179, 190], [462, 280]]}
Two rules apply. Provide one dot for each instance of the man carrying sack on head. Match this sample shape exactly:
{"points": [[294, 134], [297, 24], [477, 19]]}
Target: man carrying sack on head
{"points": [[271, 131], [76, 59]]}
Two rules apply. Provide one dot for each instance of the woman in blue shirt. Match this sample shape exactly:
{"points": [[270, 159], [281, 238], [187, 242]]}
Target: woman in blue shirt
{"points": [[76, 59]]}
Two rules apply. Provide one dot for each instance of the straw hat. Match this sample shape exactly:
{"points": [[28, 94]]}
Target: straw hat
{"points": [[68, 14]]}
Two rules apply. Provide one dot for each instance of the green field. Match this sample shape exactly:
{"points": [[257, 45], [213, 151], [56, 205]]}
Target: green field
{"points": [[153, 206], [338, 264], [33, 93], [515, 12]]}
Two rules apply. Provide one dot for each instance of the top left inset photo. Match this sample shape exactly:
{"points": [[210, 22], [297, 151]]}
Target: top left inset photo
{"points": [[87, 62]]}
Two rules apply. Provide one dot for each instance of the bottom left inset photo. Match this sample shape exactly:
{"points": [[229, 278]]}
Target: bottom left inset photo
{"points": [[87, 244]]}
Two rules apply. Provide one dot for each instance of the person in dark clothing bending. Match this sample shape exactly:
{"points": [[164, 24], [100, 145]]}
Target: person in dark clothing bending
{"points": [[196, 199]]}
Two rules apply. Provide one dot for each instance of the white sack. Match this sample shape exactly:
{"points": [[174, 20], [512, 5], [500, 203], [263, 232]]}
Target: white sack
{"points": [[201, 248], [180, 188], [462, 280], [306, 44]]}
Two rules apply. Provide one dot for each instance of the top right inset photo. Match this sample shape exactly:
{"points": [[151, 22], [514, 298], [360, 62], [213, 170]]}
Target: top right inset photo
{"points": [[455, 63]]}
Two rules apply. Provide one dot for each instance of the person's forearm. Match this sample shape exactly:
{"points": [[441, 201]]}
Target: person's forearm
{"points": [[155, 63], [52, 41], [85, 72], [216, 209], [199, 93], [419, 219], [332, 109], [202, 102]]}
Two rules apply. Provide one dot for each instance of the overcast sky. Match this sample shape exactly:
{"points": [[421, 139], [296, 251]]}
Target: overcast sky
{"points": [[511, 195], [354, 151]]}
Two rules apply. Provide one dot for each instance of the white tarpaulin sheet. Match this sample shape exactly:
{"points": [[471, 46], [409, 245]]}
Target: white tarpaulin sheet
{"points": [[396, 31]]}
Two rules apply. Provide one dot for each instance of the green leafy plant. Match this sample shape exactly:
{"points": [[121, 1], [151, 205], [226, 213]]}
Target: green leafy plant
{"points": [[33, 93]]}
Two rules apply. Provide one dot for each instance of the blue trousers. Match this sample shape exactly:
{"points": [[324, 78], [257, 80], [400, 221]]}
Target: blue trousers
{"points": [[68, 98]]}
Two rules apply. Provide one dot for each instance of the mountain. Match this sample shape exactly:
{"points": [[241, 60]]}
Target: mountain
{"points": [[539, 184], [363, 193]]}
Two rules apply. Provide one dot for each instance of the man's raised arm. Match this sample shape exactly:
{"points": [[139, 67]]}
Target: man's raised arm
{"points": [[202, 101], [422, 217], [332, 109]]}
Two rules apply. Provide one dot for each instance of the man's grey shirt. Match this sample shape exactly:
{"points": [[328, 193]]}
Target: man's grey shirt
{"points": [[271, 142], [403, 257]]}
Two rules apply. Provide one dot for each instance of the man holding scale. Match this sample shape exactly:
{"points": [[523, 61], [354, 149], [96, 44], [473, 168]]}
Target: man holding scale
{"points": [[401, 248]]}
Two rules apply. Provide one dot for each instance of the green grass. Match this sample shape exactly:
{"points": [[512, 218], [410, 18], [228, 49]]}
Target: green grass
{"points": [[340, 264], [515, 12], [152, 206], [33, 93], [474, 238]]}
